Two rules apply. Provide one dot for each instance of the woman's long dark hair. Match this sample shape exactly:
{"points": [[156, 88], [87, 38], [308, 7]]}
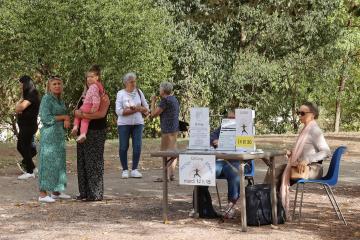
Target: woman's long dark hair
{"points": [[28, 86]]}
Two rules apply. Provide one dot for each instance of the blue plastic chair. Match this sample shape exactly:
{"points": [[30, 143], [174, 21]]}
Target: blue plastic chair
{"points": [[330, 179], [252, 173]]}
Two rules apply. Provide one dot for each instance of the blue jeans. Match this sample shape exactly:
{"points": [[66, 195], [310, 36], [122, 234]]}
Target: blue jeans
{"points": [[229, 170], [125, 132]]}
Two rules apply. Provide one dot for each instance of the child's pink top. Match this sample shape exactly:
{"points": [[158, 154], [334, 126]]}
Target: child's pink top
{"points": [[93, 95]]}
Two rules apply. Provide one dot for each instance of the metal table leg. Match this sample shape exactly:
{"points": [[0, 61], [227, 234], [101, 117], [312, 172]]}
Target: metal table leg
{"points": [[165, 191], [196, 202], [273, 192], [242, 197]]}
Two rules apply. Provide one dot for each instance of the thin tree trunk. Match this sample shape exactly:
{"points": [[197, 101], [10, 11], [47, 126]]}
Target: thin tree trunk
{"points": [[293, 109], [338, 103]]}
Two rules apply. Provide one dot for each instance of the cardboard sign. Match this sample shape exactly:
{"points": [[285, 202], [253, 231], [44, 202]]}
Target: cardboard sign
{"points": [[199, 128], [245, 142], [227, 136], [245, 130], [198, 170]]}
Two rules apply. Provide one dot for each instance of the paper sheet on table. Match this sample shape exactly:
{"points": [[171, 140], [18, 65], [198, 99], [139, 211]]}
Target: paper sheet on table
{"points": [[199, 128], [227, 136]]}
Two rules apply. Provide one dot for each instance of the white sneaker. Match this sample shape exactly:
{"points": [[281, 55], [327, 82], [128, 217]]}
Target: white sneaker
{"points": [[81, 138], [125, 174], [192, 213], [230, 211], [135, 174], [61, 196], [46, 199], [26, 176], [21, 167]]}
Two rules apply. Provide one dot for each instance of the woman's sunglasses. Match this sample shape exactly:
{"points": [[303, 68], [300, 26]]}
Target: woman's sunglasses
{"points": [[301, 113]]}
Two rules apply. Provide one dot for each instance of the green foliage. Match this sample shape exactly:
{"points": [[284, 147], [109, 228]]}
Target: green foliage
{"points": [[266, 55], [66, 37]]}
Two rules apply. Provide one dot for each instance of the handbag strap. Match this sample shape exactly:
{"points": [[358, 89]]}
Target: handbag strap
{"points": [[138, 91]]}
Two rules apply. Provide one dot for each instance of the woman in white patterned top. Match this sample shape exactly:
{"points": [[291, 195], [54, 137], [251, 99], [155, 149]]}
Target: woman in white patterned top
{"points": [[130, 107]]}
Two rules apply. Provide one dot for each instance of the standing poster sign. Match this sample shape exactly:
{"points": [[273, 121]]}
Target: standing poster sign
{"points": [[197, 170], [199, 128], [244, 130], [227, 136]]}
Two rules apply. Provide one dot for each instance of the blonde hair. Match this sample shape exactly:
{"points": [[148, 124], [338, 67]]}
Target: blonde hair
{"points": [[52, 78]]}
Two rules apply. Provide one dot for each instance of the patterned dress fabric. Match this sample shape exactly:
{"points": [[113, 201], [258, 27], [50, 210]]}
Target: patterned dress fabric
{"points": [[52, 169], [90, 165], [169, 118]]}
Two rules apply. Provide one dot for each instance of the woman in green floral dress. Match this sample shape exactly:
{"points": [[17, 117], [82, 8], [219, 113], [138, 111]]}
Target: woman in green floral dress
{"points": [[52, 171]]}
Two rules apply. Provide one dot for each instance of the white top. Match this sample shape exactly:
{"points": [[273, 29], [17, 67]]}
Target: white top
{"points": [[315, 148], [125, 100]]}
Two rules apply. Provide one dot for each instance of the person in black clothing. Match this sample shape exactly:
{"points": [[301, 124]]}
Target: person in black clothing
{"points": [[27, 110], [90, 153]]}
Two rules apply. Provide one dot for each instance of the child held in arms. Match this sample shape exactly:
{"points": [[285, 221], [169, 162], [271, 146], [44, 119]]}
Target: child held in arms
{"points": [[93, 92]]}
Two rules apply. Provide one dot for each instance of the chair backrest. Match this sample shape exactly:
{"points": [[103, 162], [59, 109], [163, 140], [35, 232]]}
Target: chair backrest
{"points": [[333, 171], [252, 173]]}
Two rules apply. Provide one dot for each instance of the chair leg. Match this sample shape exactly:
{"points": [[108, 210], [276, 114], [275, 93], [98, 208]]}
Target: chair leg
{"points": [[342, 216], [218, 195], [297, 188], [301, 201], [331, 201]]}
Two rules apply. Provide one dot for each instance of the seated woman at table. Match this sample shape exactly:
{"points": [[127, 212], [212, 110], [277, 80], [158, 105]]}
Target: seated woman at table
{"points": [[228, 170], [309, 152]]}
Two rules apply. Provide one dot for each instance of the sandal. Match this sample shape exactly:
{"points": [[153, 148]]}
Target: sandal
{"points": [[160, 180]]}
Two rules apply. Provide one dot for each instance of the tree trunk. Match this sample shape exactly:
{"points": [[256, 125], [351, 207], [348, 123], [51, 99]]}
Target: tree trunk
{"points": [[338, 103], [293, 109]]}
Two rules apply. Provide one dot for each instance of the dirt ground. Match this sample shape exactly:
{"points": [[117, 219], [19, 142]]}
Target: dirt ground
{"points": [[132, 207]]}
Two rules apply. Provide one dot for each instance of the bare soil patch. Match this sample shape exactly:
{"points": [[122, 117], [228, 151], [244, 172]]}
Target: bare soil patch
{"points": [[132, 208]]}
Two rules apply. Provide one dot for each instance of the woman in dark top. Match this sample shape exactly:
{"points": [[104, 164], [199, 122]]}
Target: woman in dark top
{"points": [[90, 154], [27, 109], [168, 110]]}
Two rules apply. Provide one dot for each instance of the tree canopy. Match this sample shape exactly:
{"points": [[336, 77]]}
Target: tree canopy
{"points": [[266, 55]]}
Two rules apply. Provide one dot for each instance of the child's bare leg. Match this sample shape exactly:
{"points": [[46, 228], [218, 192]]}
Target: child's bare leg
{"points": [[75, 129], [83, 130]]}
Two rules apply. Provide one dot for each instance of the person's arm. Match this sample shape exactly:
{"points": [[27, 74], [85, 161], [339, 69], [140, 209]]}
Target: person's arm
{"points": [[323, 150], [155, 111], [320, 144], [60, 118], [214, 137], [47, 118], [101, 113], [120, 109], [22, 105], [129, 111], [65, 119]]}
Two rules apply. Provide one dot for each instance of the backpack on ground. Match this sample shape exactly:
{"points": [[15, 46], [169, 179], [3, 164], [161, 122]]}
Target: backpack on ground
{"points": [[258, 206]]}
